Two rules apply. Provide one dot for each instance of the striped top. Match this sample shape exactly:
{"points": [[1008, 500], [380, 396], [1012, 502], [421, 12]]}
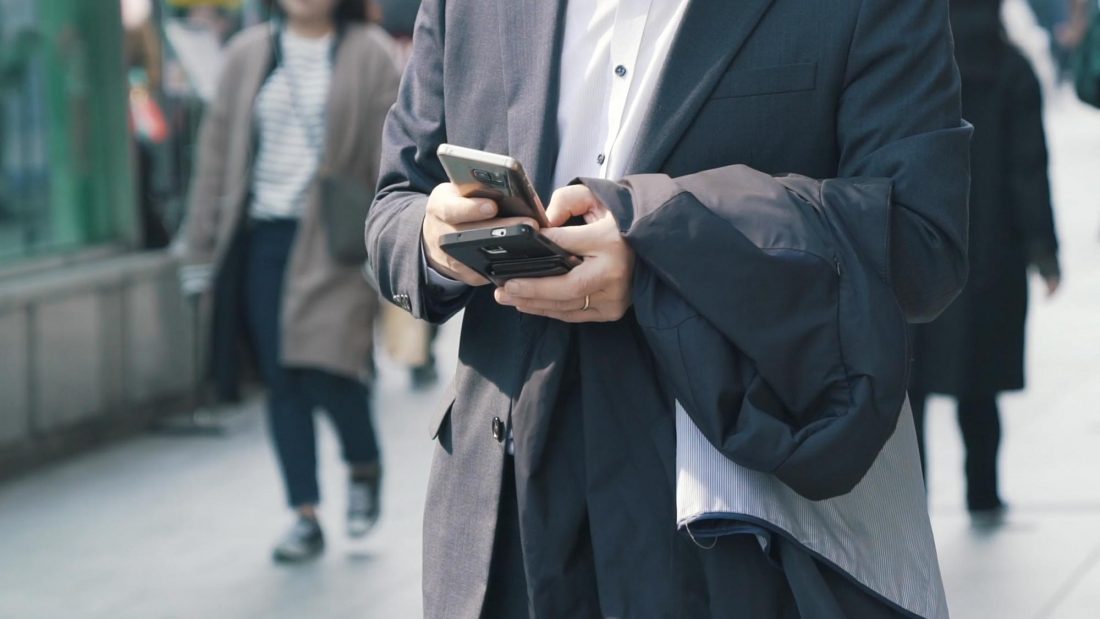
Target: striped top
{"points": [[290, 122]]}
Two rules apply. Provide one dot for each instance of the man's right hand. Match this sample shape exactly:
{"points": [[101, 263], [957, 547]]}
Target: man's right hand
{"points": [[449, 212]]}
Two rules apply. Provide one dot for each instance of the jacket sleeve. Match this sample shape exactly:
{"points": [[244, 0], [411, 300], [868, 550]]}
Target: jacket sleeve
{"points": [[410, 170], [1029, 184], [204, 201], [779, 303]]}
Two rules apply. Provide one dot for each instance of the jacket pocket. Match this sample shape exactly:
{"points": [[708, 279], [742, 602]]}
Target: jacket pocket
{"points": [[766, 80]]}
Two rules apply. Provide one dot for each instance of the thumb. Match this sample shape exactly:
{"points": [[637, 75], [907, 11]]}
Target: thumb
{"points": [[568, 202], [580, 240]]}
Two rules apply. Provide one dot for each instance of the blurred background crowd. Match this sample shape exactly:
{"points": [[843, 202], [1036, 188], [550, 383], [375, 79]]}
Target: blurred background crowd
{"points": [[136, 468]]}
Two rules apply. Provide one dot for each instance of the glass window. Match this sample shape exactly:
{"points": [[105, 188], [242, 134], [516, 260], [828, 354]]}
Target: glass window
{"points": [[65, 178]]}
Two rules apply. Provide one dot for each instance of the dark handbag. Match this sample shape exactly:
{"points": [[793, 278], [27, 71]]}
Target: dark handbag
{"points": [[344, 204]]}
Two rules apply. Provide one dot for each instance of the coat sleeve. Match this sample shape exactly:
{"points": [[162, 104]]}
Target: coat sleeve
{"points": [[204, 201], [1029, 184], [410, 171], [779, 303], [383, 79]]}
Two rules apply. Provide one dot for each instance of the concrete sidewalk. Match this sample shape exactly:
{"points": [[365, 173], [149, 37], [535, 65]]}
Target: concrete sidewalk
{"points": [[170, 526]]}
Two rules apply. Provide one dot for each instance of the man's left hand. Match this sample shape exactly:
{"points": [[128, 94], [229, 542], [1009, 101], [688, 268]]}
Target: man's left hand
{"points": [[599, 289]]}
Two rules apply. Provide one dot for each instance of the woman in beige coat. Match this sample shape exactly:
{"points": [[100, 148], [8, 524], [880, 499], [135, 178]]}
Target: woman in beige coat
{"points": [[303, 96]]}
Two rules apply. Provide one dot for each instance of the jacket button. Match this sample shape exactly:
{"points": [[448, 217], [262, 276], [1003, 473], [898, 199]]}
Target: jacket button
{"points": [[498, 429]]}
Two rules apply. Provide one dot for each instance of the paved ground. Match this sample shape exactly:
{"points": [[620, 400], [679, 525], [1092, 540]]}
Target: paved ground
{"points": [[169, 526], [165, 526]]}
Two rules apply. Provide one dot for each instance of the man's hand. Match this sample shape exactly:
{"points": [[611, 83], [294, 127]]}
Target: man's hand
{"points": [[448, 212], [1053, 283], [596, 291]]}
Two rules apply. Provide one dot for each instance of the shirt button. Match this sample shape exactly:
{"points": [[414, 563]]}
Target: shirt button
{"points": [[600, 159], [498, 429], [620, 70]]}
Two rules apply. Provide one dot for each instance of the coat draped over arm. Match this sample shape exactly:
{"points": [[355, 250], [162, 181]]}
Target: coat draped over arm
{"points": [[777, 306]]}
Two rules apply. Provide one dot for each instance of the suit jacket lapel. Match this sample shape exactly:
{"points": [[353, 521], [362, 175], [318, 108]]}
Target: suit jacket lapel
{"points": [[531, 33], [691, 73]]}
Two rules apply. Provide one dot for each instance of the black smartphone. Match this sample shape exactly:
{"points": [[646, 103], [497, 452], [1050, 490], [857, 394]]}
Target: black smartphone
{"points": [[479, 174], [504, 253]]}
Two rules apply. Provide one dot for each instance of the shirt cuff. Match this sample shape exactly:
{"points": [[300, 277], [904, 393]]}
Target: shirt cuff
{"points": [[444, 288]]}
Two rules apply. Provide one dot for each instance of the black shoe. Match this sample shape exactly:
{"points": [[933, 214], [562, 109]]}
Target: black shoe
{"points": [[364, 503], [304, 541], [424, 376], [991, 518]]}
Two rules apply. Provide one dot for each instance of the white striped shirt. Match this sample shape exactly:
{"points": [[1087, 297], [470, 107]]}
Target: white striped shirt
{"points": [[290, 118]]}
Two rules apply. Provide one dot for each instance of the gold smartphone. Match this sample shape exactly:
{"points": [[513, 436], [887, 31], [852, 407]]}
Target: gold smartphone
{"points": [[480, 174]]}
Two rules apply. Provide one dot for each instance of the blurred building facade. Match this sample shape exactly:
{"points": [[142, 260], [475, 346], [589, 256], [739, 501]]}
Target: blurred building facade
{"points": [[95, 336]]}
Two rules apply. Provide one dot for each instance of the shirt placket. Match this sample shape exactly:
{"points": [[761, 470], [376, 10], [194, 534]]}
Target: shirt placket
{"points": [[626, 42]]}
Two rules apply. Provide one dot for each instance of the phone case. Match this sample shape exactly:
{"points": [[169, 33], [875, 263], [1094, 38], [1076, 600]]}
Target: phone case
{"points": [[500, 254], [479, 174]]}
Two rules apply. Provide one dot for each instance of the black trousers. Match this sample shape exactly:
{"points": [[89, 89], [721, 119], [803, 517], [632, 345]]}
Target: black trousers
{"points": [[294, 393], [980, 423], [734, 578]]}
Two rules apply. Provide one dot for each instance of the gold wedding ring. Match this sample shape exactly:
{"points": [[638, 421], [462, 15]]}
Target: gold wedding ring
{"points": [[587, 302]]}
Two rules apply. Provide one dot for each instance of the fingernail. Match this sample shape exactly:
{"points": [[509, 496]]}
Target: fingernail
{"points": [[488, 208], [514, 287]]}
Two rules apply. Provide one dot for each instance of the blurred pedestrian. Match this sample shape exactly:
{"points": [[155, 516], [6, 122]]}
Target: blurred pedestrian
{"points": [[1083, 35], [1052, 16], [975, 350], [289, 146], [398, 17], [1072, 32]]}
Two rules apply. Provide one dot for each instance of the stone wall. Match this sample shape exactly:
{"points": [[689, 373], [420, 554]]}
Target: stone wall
{"points": [[90, 351]]}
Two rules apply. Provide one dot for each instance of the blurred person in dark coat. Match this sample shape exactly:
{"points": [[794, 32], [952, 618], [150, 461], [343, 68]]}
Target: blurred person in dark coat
{"points": [[300, 100], [975, 350]]}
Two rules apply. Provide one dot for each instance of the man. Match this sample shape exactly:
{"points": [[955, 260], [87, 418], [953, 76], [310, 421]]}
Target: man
{"points": [[717, 299]]}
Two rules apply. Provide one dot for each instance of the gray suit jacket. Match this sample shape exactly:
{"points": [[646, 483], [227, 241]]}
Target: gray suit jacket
{"points": [[862, 94]]}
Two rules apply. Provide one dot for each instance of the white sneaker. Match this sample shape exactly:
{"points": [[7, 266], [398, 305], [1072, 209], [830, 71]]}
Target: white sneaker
{"points": [[364, 505]]}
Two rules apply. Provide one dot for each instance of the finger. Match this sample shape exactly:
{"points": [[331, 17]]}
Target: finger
{"points": [[580, 240], [572, 305], [467, 210], [567, 202], [573, 285], [575, 316], [502, 222], [446, 205]]}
